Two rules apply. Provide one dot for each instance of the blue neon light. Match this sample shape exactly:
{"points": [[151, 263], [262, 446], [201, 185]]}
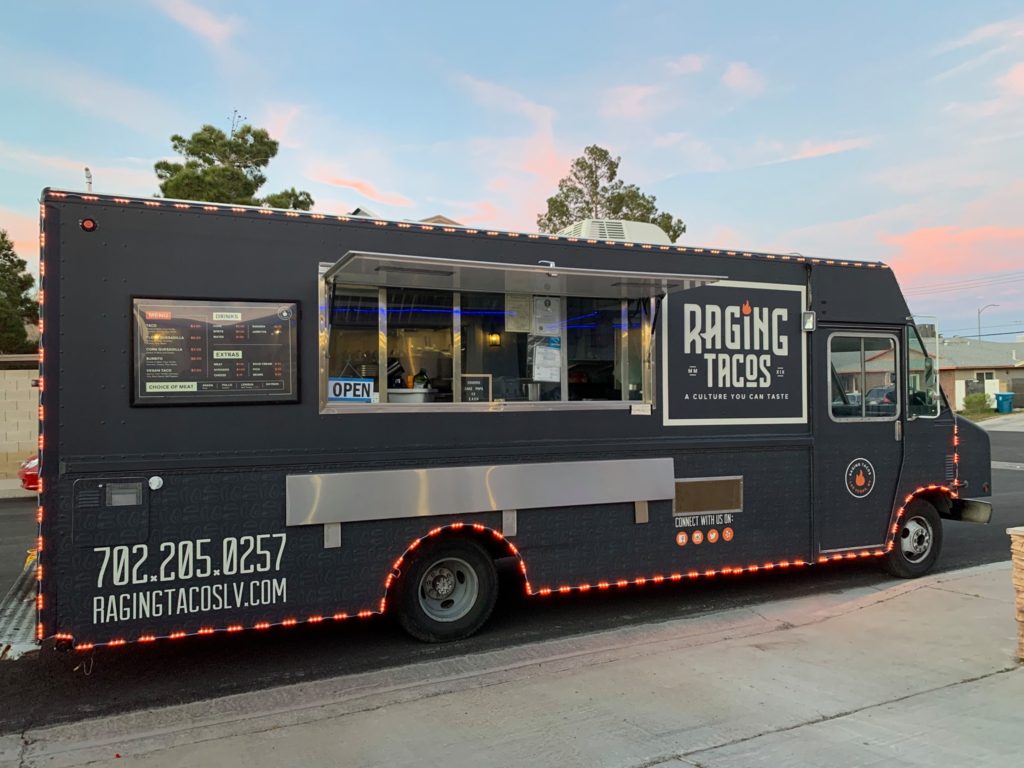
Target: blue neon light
{"points": [[426, 311]]}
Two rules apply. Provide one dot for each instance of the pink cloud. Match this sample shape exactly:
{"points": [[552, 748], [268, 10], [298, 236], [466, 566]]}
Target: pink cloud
{"points": [[812, 149], [770, 152], [1012, 82], [1010, 97], [498, 184], [506, 99], [365, 188], [1006, 29], [689, 64], [279, 120], [526, 168], [215, 30], [632, 102], [698, 155], [333, 205], [477, 213], [23, 230], [70, 172], [919, 256], [98, 95], [744, 79]]}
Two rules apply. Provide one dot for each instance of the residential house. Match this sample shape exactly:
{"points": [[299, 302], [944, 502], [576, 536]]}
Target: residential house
{"points": [[969, 365]]}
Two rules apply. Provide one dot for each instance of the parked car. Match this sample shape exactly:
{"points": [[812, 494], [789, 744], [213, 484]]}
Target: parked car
{"points": [[28, 473], [879, 395]]}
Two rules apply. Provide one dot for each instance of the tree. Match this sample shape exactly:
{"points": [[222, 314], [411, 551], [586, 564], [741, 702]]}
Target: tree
{"points": [[219, 168], [17, 307], [592, 190]]}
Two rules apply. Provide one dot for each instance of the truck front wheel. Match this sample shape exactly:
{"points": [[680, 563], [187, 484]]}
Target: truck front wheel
{"points": [[917, 543], [448, 591]]}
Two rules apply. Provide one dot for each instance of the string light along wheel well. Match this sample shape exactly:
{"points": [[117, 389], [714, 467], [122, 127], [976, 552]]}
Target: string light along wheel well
{"points": [[917, 542], [447, 591]]}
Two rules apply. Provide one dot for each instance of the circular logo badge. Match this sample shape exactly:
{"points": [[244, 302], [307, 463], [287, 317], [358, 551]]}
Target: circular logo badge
{"points": [[682, 538], [698, 537], [712, 536], [860, 478], [727, 534]]}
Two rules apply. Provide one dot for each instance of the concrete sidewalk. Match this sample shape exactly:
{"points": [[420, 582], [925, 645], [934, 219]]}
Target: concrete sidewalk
{"points": [[1012, 422], [915, 673]]}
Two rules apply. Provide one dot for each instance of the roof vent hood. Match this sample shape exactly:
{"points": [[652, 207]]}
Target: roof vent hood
{"points": [[617, 229]]}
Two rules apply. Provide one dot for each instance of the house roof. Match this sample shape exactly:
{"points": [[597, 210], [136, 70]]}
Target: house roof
{"points": [[442, 220], [964, 352]]}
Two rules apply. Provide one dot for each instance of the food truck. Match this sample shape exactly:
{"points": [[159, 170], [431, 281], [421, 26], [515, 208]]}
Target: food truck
{"points": [[252, 418]]}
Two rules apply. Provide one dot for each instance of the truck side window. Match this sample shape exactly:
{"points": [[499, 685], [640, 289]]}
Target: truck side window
{"points": [[417, 346], [863, 377], [922, 378]]}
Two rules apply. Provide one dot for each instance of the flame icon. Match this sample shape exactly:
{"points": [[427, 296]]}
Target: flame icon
{"points": [[859, 480], [746, 307]]}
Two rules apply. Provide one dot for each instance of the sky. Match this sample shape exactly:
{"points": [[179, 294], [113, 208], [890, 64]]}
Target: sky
{"points": [[869, 130]]}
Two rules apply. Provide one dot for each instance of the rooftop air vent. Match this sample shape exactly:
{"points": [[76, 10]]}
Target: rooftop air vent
{"points": [[616, 229]]}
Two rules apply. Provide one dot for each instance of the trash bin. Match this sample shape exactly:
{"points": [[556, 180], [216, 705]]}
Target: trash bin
{"points": [[1004, 402]]}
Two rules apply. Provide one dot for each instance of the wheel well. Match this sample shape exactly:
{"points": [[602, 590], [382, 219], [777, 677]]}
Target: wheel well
{"points": [[940, 501], [492, 541]]}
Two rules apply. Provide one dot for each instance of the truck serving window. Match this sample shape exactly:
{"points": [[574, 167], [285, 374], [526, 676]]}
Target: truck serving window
{"points": [[863, 370], [434, 333], [587, 350]]}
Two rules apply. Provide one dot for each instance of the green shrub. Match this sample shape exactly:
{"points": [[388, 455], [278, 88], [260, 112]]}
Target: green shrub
{"points": [[976, 402]]}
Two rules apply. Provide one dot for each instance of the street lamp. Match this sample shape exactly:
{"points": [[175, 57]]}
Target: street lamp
{"points": [[982, 309]]}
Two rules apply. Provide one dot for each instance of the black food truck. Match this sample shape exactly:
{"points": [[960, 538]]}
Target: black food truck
{"points": [[253, 417]]}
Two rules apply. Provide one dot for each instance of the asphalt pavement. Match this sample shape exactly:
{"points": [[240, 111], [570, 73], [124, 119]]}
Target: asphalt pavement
{"points": [[17, 535], [53, 687]]}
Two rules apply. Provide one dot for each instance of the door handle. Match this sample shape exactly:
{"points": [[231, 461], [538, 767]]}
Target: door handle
{"points": [[899, 430]]}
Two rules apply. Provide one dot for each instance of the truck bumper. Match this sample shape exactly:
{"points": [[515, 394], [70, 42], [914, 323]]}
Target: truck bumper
{"points": [[970, 510]]}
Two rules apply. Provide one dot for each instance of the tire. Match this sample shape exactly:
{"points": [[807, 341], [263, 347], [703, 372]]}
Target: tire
{"points": [[448, 591], [917, 543]]}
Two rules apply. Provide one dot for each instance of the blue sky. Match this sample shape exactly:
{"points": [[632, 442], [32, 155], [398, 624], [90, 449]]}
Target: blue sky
{"points": [[870, 130]]}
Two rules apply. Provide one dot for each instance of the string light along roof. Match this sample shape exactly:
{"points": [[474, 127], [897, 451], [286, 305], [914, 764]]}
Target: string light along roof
{"points": [[248, 210]]}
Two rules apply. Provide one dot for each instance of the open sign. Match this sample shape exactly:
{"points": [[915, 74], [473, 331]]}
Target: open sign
{"points": [[350, 390]]}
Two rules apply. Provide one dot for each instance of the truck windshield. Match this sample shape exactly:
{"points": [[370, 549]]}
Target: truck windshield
{"points": [[922, 378]]}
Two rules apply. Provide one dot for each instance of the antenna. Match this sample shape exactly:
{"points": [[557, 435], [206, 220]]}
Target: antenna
{"points": [[236, 120], [88, 179]]}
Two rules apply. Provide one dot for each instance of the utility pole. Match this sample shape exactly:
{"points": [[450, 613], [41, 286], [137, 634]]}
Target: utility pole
{"points": [[88, 179], [980, 310]]}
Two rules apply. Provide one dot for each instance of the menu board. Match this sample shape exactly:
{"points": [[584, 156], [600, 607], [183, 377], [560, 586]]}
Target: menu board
{"points": [[195, 351], [476, 387]]}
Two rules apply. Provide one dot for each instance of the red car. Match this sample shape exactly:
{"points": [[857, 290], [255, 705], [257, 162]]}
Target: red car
{"points": [[28, 473]]}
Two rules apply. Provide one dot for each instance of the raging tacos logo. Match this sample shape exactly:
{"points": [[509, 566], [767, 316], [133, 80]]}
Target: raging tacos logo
{"points": [[735, 353], [740, 343], [860, 478]]}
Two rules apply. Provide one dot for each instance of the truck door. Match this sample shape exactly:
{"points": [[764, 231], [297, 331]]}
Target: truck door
{"points": [[858, 441]]}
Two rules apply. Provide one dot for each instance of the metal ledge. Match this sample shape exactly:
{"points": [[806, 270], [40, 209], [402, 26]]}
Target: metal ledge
{"points": [[346, 497]]}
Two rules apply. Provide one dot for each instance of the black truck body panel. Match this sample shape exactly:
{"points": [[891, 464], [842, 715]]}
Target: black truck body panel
{"points": [[223, 467]]}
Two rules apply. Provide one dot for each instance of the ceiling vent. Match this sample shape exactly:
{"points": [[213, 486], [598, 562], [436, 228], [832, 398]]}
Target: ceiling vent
{"points": [[617, 229]]}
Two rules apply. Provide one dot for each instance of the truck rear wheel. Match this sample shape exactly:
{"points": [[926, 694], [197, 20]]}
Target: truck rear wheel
{"points": [[448, 591], [917, 543]]}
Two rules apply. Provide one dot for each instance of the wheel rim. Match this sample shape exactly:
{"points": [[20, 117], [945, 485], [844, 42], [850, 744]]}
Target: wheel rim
{"points": [[916, 539], [448, 589]]}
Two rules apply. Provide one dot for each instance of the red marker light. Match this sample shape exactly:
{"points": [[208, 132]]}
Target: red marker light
{"points": [[88, 225]]}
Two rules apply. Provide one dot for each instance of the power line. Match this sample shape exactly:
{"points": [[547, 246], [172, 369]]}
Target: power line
{"points": [[998, 325], [975, 336], [966, 284], [963, 287], [949, 283]]}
